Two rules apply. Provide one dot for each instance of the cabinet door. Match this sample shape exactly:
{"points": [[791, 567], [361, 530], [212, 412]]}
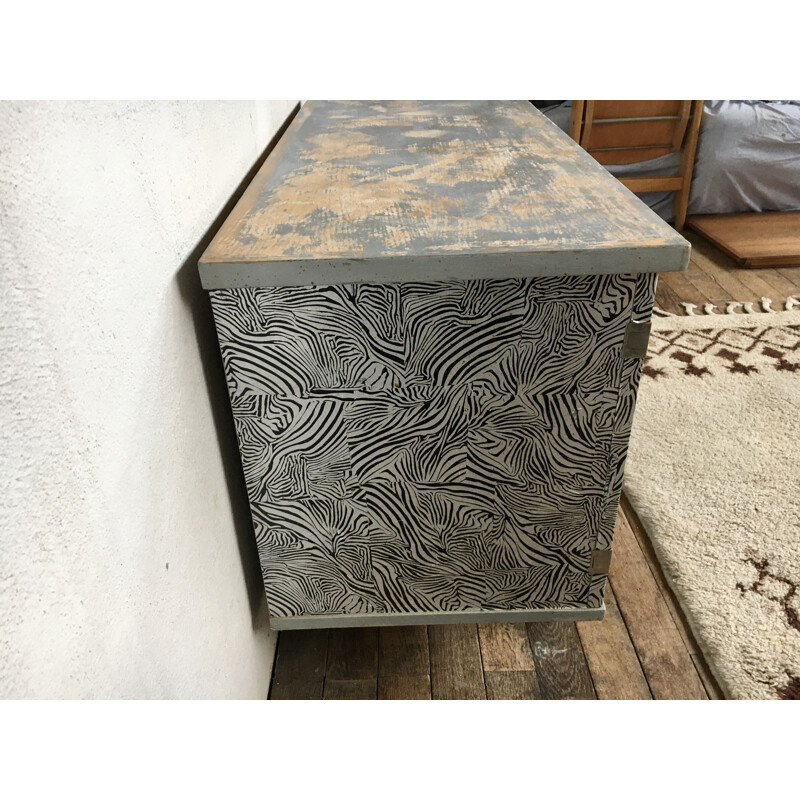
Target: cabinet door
{"points": [[543, 440], [426, 447]]}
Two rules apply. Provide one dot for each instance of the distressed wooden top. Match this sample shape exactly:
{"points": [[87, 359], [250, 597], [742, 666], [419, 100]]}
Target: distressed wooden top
{"points": [[432, 190]]}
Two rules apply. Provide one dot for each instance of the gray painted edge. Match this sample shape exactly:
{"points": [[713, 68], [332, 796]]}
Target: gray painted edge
{"points": [[464, 266], [261, 177], [436, 618]]}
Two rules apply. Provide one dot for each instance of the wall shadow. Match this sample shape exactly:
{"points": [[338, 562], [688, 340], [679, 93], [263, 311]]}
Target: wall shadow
{"points": [[196, 298]]}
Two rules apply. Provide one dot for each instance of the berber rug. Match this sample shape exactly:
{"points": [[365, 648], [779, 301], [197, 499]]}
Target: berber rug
{"points": [[714, 473]]}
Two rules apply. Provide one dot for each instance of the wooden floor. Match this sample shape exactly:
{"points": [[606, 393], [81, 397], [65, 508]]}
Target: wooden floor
{"points": [[713, 277], [643, 649]]}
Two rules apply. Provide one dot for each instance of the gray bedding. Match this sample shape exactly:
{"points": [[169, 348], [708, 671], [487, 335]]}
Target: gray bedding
{"points": [[748, 158]]}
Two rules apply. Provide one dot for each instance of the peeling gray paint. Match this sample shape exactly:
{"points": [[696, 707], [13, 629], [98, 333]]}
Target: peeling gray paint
{"points": [[373, 181]]}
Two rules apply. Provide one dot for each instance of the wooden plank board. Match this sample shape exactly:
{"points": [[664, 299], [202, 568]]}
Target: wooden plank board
{"points": [[707, 677], [346, 196], [666, 298], [613, 663], [732, 289], [706, 278], [350, 690], [758, 284], [560, 662], [505, 646], [762, 237], [404, 687], [791, 274], [780, 282], [683, 288], [744, 285], [511, 685], [509, 670], [636, 527], [626, 132], [681, 623], [773, 261], [631, 156], [456, 670], [352, 664], [299, 672], [403, 663], [640, 185], [706, 284], [740, 284], [403, 650], [665, 660]]}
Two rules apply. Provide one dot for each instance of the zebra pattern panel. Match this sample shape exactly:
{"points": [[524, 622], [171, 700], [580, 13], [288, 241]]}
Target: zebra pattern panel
{"points": [[643, 299], [427, 447]]}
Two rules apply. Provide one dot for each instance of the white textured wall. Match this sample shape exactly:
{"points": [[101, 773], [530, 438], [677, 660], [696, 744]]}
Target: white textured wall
{"points": [[110, 464]]}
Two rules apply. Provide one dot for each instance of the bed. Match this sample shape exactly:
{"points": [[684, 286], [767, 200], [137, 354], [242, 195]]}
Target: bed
{"points": [[748, 158]]}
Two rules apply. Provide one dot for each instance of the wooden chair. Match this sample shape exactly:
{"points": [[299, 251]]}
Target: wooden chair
{"points": [[630, 131]]}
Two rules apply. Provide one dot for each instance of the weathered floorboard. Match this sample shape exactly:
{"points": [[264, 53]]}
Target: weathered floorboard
{"points": [[404, 663], [512, 685], [350, 690], [299, 672], [679, 618], [710, 684], [456, 671], [666, 299], [613, 663], [706, 284], [404, 687], [665, 660], [658, 575], [731, 288], [560, 663], [682, 287], [505, 646], [508, 667], [352, 667], [403, 650]]}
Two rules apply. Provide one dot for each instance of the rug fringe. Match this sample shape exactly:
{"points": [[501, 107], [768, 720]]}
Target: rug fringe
{"points": [[731, 307]]}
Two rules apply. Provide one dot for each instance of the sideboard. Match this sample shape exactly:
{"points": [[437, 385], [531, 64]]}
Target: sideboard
{"points": [[432, 318]]}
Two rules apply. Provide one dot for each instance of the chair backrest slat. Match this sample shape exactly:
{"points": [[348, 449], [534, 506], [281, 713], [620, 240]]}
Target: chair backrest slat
{"points": [[618, 132], [614, 109], [611, 127], [642, 132]]}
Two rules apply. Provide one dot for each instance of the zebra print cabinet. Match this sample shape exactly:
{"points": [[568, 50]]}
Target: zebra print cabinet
{"points": [[430, 317]]}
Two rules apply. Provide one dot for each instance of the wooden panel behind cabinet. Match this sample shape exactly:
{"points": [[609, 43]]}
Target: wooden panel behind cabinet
{"points": [[768, 239]]}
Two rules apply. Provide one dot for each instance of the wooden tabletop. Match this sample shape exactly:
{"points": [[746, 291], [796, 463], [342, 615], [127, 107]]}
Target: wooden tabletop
{"points": [[432, 190]]}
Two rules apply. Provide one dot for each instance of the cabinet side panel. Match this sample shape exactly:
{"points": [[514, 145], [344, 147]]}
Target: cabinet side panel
{"points": [[426, 447]]}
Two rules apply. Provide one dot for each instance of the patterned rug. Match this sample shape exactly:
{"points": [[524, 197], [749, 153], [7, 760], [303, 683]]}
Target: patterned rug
{"points": [[714, 474]]}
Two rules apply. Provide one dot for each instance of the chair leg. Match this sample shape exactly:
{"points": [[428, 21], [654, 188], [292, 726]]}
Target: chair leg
{"points": [[687, 165], [576, 120], [681, 203]]}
